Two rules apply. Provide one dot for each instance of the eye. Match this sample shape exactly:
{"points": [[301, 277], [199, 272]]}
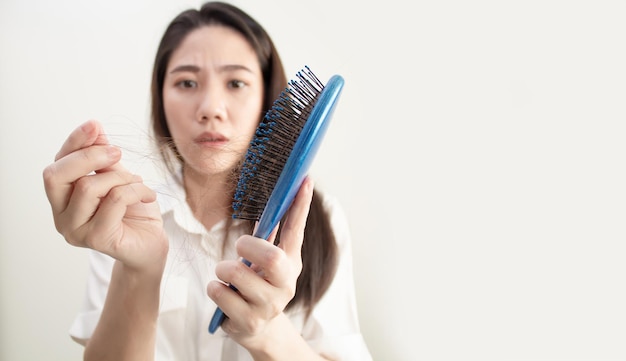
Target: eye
{"points": [[236, 84], [187, 84]]}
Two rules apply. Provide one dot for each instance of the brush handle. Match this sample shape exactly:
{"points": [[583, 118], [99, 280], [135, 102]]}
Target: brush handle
{"points": [[295, 170]]}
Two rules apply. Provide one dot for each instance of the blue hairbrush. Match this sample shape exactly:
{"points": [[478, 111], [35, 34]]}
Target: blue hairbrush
{"points": [[280, 155]]}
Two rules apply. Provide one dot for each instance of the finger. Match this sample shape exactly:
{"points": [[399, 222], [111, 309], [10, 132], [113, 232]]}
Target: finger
{"points": [[240, 276], [292, 233], [88, 134], [258, 251], [229, 301], [88, 193], [270, 262], [81, 137], [60, 175], [102, 139], [235, 273], [270, 239], [107, 221], [253, 292]]}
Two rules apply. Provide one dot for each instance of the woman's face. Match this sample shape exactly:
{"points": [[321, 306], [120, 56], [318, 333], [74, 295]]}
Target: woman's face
{"points": [[212, 96]]}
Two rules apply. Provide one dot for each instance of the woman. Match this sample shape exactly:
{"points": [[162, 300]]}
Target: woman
{"points": [[156, 255]]}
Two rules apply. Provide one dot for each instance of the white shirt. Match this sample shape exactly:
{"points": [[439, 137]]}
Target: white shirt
{"points": [[185, 310]]}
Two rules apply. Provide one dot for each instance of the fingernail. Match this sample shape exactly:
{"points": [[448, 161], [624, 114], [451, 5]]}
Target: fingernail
{"points": [[113, 151], [87, 127]]}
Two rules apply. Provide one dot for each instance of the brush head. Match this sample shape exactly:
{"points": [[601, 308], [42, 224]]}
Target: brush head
{"points": [[273, 143]]}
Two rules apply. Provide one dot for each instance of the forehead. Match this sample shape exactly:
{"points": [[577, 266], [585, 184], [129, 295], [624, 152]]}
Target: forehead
{"points": [[214, 45]]}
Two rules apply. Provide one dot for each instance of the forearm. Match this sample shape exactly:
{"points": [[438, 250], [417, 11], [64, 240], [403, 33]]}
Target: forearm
{"points": [[283, 342], [127, 326]]}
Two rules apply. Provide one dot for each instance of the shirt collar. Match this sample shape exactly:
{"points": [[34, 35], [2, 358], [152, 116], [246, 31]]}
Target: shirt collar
{"points": [[172, 200]]}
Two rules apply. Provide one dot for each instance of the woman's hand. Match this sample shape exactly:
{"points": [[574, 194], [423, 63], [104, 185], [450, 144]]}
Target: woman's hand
{"points": [[98, 204], [269, 284]]}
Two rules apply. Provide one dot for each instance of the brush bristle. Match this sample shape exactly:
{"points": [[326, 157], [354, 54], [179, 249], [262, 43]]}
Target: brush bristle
{"points": [[272, 143]]}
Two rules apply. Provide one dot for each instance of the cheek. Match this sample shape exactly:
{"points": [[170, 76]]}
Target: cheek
{"points": [[253, 113], [252, 117], [172, 111]]}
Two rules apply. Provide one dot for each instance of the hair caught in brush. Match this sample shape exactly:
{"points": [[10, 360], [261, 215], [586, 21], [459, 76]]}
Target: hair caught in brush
{"points": [[273, 141]]}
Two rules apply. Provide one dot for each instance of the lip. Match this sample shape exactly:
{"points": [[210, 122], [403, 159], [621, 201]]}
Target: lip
{"points": [[211, 139]]}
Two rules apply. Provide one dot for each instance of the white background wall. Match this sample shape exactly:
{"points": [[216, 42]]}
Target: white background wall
{"points": [[478, 150]]}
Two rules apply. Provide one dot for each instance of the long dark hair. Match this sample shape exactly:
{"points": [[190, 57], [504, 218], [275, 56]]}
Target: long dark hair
{"points": [[319, 250]]}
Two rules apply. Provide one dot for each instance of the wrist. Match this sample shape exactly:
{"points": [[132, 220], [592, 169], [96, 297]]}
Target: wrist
{"points": [[281, 341], [149, 266]]}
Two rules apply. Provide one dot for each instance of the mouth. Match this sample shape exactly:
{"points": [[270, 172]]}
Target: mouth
{"points": [[211, 139]]}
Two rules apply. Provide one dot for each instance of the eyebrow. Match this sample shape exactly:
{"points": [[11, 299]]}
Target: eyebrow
{"points": [[184, 68], [222, 69]]}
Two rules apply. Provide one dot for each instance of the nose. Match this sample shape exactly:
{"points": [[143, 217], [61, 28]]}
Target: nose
{"points": [[212, 105]]}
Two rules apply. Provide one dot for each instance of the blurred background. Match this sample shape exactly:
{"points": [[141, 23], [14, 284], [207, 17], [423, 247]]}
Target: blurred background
{"points": [[478, 150]]}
